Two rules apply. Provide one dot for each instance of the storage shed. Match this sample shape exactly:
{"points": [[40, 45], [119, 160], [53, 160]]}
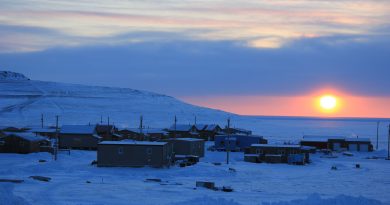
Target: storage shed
{"points": [[78, 137], [188, 146], [127, 153], [335, 143], [359, 144], [23, 143]]}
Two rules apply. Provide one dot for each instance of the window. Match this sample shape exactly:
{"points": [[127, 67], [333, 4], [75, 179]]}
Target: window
{"points": [[120, 150]]}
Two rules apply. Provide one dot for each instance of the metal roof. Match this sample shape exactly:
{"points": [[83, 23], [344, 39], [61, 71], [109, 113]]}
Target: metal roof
{"points": [[78, 129], [357, 140], [27, 136]]}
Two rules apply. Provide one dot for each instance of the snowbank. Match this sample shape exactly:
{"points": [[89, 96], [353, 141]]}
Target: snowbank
{"points": [[7, 196], [313, 199]]}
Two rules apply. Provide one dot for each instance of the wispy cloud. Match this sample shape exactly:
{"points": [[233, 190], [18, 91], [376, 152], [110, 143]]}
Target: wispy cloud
{"points": [[264, 24]]}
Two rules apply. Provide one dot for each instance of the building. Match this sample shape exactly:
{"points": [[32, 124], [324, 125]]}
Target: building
{"points": [[359, 144], [127, 153], [45, 131], [237, 142], [106, 132], [337, 143], [78, 137], [183, 131], [210, 131], [292, 154], [149, 134], [22, 143], [188, 146]]}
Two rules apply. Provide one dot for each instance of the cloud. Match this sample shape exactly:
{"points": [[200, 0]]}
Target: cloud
{"points": [[356, 64], [261, 24]]}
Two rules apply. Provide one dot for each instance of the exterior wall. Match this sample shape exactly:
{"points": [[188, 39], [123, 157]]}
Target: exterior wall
{"points": [[266, 153], [318, 145], [242, 142], [359, 146], [75, 141], [182, 147], [133, 155], [19, 145]]}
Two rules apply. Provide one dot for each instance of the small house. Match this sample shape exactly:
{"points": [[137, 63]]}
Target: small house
{"points": [[105, 131], [183, 131], [128, 153], [23, 143], [335, 143], [78, 137], [210, 131], [148, 134], [188, 146], [237, 142], [292, 154], [359, 144]]}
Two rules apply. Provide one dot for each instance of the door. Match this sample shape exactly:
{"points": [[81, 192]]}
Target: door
{"points": [[363, 147], [353, 147]]}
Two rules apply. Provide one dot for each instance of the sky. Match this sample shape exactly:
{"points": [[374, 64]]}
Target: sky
{"points": [[249, 57]]}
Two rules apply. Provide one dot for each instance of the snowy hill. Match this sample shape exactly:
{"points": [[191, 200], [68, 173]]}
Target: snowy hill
{"points": [[8, 75], [23, 101]]}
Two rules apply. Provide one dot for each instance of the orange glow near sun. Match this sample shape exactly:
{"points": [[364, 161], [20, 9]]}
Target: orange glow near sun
{"points": [[328, 103]]}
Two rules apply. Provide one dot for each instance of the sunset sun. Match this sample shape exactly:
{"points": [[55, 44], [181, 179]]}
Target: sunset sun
{"points": [[328, 102]]}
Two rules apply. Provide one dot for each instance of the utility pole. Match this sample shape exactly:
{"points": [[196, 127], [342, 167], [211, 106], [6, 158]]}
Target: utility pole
{"points": [[228, 141], [101, 119], [140, 126], [108, 120], [41, 120], [195, 120], [174, 126], [56, 140], [377, 134]]}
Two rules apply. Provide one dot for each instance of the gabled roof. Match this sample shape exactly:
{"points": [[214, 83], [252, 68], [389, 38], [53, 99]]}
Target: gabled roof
{"points": [[212, 127], [78, 129], [104, 128], [200, 126]]}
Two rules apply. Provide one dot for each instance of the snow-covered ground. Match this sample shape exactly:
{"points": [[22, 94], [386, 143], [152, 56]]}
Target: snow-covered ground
{"points": [[22, 101], [253, 183]]}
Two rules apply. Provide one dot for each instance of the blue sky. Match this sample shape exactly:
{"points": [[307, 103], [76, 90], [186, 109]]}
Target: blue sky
{"points": [[202, 48]]}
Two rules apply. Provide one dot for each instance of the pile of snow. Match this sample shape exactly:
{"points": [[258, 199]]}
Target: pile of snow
{"points": [[8, 75], [7, 196], [313, 199]]}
